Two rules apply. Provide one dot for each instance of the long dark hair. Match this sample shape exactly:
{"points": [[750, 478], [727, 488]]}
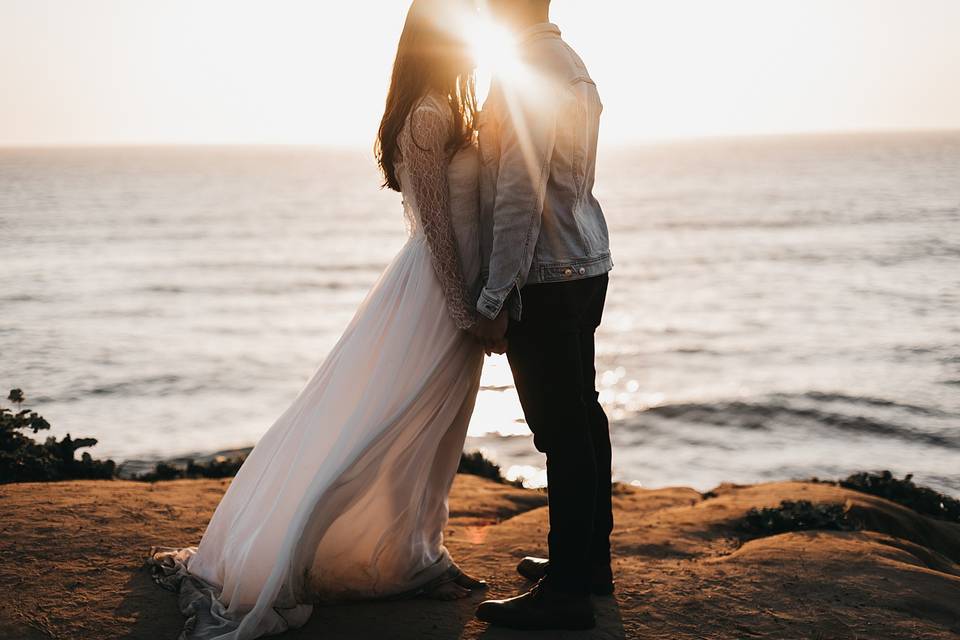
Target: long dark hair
{"points": [[431, 56]]}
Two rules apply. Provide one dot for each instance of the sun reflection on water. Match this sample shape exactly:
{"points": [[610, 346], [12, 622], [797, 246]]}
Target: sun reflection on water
{"points": [[498, 414]]}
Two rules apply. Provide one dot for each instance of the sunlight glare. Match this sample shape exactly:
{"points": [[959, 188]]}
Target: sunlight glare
{"points": [[495, 51], [494, 47]]}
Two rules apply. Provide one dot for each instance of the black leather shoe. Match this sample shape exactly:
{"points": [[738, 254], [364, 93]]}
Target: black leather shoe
{"points": [[601, 576], [540, 608]]}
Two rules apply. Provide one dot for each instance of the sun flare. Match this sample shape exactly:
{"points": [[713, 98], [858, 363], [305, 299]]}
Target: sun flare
{"points": [[494, 46], [495, 51]]}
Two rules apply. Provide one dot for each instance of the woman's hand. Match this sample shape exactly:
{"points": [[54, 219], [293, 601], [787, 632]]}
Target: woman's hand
{"points": [[492, 334]]}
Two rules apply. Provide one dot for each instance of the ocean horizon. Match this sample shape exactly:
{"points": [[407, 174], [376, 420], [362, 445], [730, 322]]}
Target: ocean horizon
{"points": [[781, 307]]}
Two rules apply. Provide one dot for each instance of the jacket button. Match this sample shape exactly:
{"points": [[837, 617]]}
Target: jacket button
{"points": [[568, 272], [582, 271]]}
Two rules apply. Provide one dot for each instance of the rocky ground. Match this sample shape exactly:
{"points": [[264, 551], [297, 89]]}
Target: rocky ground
{"points": [[71, 565]]}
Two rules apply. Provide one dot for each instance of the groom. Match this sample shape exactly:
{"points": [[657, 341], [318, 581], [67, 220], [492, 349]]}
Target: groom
{"points": [[546, 256]]}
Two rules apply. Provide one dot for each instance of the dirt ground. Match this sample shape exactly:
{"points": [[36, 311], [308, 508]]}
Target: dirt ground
{"points": [[71, 566]]}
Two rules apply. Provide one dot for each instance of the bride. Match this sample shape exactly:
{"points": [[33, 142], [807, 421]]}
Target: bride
{"points": [[345, 496]]}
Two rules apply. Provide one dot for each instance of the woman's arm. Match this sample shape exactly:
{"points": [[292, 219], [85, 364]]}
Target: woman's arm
{"points": [[423, 145]]}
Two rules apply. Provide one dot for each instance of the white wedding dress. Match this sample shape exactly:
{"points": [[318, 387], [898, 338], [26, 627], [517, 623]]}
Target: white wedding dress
{"points": [[345, 496]]}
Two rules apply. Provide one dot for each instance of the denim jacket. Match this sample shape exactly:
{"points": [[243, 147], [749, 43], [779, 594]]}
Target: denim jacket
{"points": [[538, 141]]}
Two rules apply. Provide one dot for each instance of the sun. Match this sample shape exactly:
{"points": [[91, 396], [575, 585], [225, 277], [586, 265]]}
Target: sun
{"points": [[495, 51], [494, 46]]}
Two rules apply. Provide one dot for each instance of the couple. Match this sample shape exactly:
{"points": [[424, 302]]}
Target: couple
{"points": [[345, 496]]}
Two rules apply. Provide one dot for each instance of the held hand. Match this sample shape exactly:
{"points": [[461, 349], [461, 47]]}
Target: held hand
{"points": [[492, 333], [498, 348]]}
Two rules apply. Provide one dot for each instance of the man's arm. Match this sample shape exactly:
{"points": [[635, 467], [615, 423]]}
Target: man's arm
{"points": [[528, 130]]}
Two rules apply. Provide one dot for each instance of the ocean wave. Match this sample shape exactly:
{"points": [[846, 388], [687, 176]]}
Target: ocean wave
{"points": [[873, 402], [264, 289], [23, 297], [496, 387], [795, 219], [267, 265], [140, 386], [780, 412]]}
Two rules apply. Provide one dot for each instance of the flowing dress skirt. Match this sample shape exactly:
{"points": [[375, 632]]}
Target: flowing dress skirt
{"points": [[345, 496]]}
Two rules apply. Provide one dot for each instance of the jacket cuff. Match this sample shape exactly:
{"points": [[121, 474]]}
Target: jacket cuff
{"points": [[489, 306], [491, 303]]}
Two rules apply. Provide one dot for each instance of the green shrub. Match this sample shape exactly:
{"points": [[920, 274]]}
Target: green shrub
{"points": [[921, 499], [476, 465], [218, 467], [802, 515], [22, 459]]}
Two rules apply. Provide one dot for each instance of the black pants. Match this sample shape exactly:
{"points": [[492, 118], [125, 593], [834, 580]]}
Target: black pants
{"points": [[551, 354]]}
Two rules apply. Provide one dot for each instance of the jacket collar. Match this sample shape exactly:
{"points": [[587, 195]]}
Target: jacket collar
{"points": [[539, 31]]}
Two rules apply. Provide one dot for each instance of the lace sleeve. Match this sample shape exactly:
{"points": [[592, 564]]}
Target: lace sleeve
{"points": [[422, 145]]}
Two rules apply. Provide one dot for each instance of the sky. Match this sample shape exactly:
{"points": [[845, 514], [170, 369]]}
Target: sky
{"points": [[316, 71]]}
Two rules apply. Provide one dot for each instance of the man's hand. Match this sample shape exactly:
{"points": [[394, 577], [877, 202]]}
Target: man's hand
{"points": [[492, 333]]}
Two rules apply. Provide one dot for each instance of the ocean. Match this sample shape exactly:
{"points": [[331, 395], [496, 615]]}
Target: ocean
{"points": [[781, 307]]}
